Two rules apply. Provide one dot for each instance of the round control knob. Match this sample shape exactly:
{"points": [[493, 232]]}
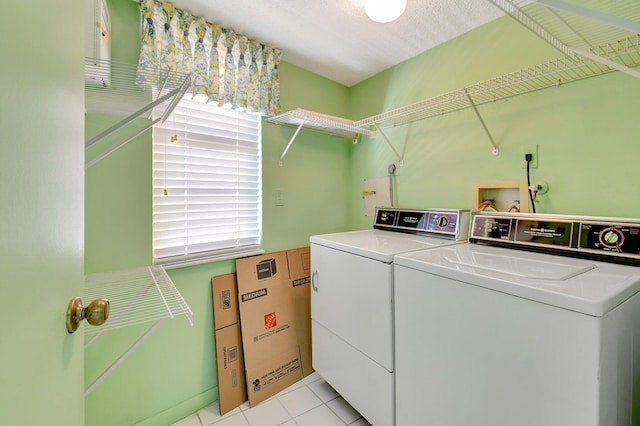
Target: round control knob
{"points": [[611, 237], [443, 222]]}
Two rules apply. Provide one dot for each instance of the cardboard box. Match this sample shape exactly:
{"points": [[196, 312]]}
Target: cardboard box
{"points": [[299, 261], [225, 301], [267, 317], [232, 390]]}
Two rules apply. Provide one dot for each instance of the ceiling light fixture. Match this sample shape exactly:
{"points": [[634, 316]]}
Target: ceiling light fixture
{"points": [[384, 11]]}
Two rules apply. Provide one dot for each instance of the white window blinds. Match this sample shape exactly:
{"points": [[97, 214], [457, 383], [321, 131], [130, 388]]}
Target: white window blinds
{"points": [[206, 183]]}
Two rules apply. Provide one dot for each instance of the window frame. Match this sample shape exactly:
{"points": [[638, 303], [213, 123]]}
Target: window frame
{"points": [[210, 138]]}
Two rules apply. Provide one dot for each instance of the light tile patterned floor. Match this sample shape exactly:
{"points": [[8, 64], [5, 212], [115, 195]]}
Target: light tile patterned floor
{"points": [[309, 402]]}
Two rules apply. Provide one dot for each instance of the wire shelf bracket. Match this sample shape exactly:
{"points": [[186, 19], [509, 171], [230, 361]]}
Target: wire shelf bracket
{"points": [[386, 139], [295, 135], [316, 121], [137, 296], [495, 150]]}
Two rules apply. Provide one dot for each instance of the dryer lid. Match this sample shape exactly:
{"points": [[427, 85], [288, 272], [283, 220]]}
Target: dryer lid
{"points": [[589, 287], [377, 244]]}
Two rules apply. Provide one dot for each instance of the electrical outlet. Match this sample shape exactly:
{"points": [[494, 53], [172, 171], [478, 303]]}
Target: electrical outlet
{"points": [[533, 150]]}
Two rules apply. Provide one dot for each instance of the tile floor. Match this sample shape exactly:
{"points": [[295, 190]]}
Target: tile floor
{"points": [[309, 402]]}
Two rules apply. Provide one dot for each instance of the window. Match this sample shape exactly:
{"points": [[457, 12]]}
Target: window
{"points": [[206, 184]]}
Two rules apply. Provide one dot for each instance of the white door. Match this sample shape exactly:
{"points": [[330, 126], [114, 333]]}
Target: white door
{"points": [[41, 211], [352, 297], [352, 321]]}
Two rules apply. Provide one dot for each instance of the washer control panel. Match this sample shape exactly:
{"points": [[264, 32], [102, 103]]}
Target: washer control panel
{"points": [[580, 234], [440, 222]]}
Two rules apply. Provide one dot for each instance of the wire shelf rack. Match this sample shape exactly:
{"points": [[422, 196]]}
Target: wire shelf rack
{"points": [[585, 24], [136, 296], [550, 74], [141, 296], [316, 121], [119, 89], [322, 122], [595, 38]]}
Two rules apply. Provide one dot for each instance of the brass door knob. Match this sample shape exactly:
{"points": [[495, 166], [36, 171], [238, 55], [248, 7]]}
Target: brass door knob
{"points": [[96, 313]]}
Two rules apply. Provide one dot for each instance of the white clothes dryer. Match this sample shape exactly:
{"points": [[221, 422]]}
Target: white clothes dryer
{"points": [[529, 324], [352, 301]]}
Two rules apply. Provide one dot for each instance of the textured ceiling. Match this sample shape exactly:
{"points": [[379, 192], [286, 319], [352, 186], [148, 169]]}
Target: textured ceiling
{"points": [[335, 39]]}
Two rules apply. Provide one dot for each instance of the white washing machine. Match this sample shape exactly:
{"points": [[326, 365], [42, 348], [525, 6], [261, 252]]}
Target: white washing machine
{"points": [[529, 324], [352, 301]]}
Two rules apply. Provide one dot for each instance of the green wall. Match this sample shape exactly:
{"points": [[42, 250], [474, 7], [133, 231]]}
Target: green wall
{"points": [[585, 133]]}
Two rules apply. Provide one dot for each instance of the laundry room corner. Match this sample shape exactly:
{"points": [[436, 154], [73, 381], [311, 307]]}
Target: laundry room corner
{"points": [[300, 190]]}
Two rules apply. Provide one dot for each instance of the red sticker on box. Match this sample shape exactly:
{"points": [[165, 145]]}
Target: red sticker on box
{"points": [[270, 320]]}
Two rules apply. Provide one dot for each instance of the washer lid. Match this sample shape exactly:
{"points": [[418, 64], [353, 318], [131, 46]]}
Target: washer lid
{"points": [[377, 244], [592, 288]]}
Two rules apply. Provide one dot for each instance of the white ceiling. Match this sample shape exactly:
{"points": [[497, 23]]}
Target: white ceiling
{"points": [[335, 39]]}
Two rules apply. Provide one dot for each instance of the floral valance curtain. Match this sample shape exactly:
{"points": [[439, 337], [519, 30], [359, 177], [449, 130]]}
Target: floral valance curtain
{"points": [[226, 67]]}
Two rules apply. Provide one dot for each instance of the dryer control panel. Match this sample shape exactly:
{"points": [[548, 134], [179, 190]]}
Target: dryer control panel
{"points": [[620, 238], [445, 223], [607, 238]]}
